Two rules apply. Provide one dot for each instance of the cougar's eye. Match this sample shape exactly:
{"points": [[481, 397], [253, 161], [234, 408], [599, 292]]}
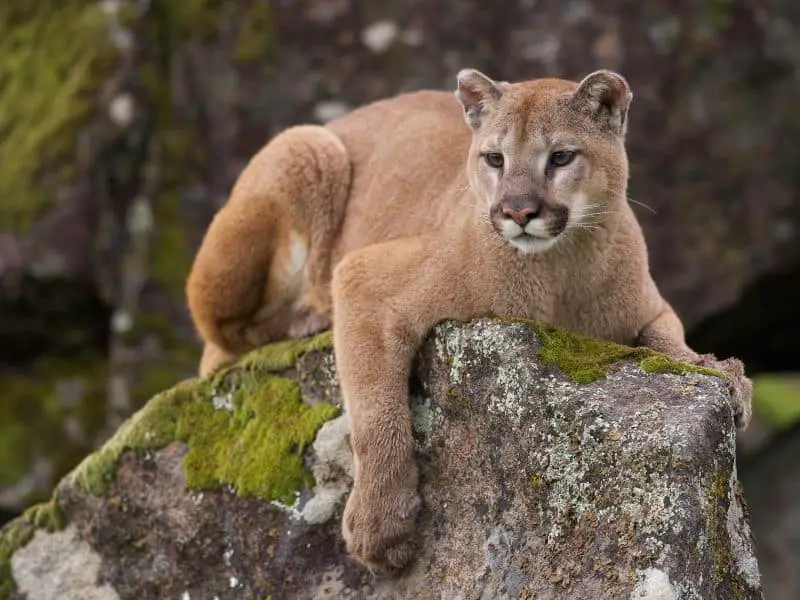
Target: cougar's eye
{"points": [[493, 159], [561, 158]]}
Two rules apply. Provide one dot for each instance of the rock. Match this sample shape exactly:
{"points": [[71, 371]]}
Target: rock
{"points": [[535, 485]]}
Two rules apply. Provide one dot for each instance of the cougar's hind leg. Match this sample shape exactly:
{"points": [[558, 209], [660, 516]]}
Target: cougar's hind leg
{"points": [[256, 275], [213, 357]]}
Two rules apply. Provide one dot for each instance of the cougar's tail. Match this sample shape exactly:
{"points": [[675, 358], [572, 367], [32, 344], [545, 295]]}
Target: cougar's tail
{"points": [[287, 205]]}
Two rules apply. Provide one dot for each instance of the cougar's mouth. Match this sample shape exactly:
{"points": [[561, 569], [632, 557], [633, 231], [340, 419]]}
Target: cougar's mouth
{"points": [[532, 244], [524, 236], [528, 242], [541, 228], [537, 236]]}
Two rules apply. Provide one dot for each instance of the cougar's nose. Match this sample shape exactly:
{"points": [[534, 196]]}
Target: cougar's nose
{"points": [[522, 216]]}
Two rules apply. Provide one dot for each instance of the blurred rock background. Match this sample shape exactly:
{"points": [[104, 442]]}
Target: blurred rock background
{"points": [[124, 123]]}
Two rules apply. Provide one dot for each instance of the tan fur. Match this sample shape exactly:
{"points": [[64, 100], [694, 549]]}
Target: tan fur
{"points": [[403, 224]]}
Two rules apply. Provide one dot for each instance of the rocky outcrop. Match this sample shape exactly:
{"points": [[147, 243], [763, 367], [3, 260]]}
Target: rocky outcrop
{"points": [[553, 466]]}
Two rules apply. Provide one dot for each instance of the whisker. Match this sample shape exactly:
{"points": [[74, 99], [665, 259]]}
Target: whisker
{"points": [[652, 210], [599, 212]]}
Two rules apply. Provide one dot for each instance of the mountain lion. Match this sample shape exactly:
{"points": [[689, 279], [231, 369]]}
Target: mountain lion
{"points": [[503, 199]]}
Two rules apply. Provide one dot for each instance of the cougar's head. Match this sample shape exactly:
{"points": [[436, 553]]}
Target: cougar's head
{"points": [[546, 155]]}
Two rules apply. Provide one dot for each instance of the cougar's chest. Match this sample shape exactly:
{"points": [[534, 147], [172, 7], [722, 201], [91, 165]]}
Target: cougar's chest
{"points": [[598, 307]]}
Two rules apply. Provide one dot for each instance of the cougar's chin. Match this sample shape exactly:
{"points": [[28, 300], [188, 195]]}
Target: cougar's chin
{"points": [[534, 238], [529, 244]]}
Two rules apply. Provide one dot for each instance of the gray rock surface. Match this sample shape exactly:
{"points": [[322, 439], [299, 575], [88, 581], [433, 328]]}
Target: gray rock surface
{"points": [[534, 486]]}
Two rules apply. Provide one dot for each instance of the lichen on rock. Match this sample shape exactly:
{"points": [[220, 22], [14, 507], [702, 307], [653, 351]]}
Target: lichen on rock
{"points": [[608, 467], [333, 472], [59, 565], [18, 533]]}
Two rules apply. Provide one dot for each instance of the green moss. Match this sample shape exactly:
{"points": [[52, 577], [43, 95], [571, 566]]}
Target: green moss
{"points": [[51, 53], [46, 516], [584, 359], [13, 536], [37, 406], [258, 447], [665, 364], [282, 355], [716, 503], [244, 426], [776, 398], [150, 428], [16, 534]]}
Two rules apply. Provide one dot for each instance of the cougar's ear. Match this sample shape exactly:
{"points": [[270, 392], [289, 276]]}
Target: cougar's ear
{"points": [[477, 93], [605, 96]]}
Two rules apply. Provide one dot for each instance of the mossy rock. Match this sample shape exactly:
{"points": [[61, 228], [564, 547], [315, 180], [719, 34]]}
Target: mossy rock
{"points": [[53, 55], [46, 516], [246, 427], [585, 359], [598, 489], [57, 414]]}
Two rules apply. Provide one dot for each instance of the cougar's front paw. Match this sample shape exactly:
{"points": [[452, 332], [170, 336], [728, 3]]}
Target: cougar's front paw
{"points": [[378, 526], [739, 386]]}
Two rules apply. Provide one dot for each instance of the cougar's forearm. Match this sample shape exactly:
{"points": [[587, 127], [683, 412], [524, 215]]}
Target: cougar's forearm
{"points": [[376, 333], [373, 357], [665, 333], [384, 303]]}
